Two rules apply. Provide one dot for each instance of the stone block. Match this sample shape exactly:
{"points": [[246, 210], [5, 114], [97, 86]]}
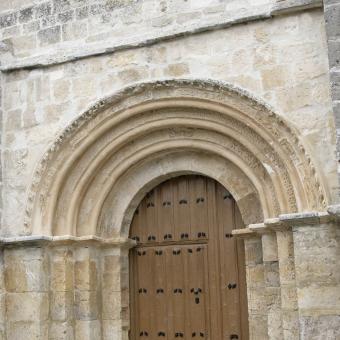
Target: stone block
{"points": [[287, 271], [133, 74], [83, 87], [258, 327], [335, 84], [320, 269], [43, 10], [112, 330], [88, 330], [317, 298], [27, 306], [62, 275], [49, 36], [112, 273], [290, 325], [61, 305], [65, 16], [271, 274], [61, 5], [269, 247], [82, 12], [332, 18], [26, 15], [320, 327], [315, 240], [74, 30], [60, 331], [85, 275], [288, 297], [61, 90], [112, 306], [257, 303], [13, 120], [177, 70], [27, 330], [275, 330], [47, 21], [86, 305], [274, 77], [255, 276], [333, 55], [9, 19], [26, 272], [253, 251], [30, 27], [285, 244]]}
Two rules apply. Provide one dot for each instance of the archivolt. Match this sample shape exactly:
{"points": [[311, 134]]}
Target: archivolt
{"points": [[93, 176]]}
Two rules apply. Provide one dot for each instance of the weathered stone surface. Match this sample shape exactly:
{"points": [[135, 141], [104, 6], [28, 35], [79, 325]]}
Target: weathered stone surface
{"points": [[50, 35], [85, 275], [27, 307]]}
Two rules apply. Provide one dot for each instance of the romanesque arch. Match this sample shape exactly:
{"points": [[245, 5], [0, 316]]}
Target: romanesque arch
{"points": [[93, 176]]}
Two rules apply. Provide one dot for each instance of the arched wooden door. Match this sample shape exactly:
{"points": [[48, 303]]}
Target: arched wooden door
{"points": [[187, 273]]}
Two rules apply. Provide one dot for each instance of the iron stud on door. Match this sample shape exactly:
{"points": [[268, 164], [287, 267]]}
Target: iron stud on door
{"points": [[232, 285]]}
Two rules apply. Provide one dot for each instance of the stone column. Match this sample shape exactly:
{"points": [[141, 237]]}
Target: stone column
{"points": [[285, 252], [61, 325], [115, 293], [87, 292], [316, 239], [271, 279], [256, 286]]}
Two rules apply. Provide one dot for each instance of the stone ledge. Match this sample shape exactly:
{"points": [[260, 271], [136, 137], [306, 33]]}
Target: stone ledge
{"points": [[287, 221], [244, 233], [289, 6], [63, 56], [41, 240], [305, 218]]}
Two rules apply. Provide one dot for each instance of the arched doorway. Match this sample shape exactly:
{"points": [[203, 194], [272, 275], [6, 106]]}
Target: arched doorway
{"points": [[187, 272]]}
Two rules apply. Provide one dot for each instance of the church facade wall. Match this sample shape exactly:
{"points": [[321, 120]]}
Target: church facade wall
{"points": [[63, 60]]}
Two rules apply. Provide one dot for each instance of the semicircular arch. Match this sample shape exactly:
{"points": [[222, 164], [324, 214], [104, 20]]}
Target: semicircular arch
{"points": [[83, 184]]}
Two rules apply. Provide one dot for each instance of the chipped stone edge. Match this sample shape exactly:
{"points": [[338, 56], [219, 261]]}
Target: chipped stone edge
{"points": [[42, 240], [41, 61], [288, 221]]}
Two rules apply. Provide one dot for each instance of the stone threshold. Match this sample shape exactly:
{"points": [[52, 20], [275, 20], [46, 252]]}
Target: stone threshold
{"points": [[281, 8]]}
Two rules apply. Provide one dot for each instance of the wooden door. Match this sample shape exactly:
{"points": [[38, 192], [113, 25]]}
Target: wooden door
{"points": [[187, 272]]}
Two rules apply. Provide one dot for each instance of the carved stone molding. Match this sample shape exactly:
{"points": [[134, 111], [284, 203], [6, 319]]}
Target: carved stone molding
{"points": [[93, 176]]}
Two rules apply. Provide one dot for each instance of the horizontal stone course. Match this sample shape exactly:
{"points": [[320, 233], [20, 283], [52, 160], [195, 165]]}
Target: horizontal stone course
{"points": [[105, 17]]}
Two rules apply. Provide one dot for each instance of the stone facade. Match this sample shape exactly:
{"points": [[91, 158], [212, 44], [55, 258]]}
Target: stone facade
{"points": [[103, 100]]}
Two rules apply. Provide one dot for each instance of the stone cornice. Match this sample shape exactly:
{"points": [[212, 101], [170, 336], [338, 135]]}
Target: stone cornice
{"points": [[63, 56], [41, 240]]}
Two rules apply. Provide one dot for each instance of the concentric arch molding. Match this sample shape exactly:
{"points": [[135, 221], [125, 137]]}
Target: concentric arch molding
{"points": [[93, 176]]}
